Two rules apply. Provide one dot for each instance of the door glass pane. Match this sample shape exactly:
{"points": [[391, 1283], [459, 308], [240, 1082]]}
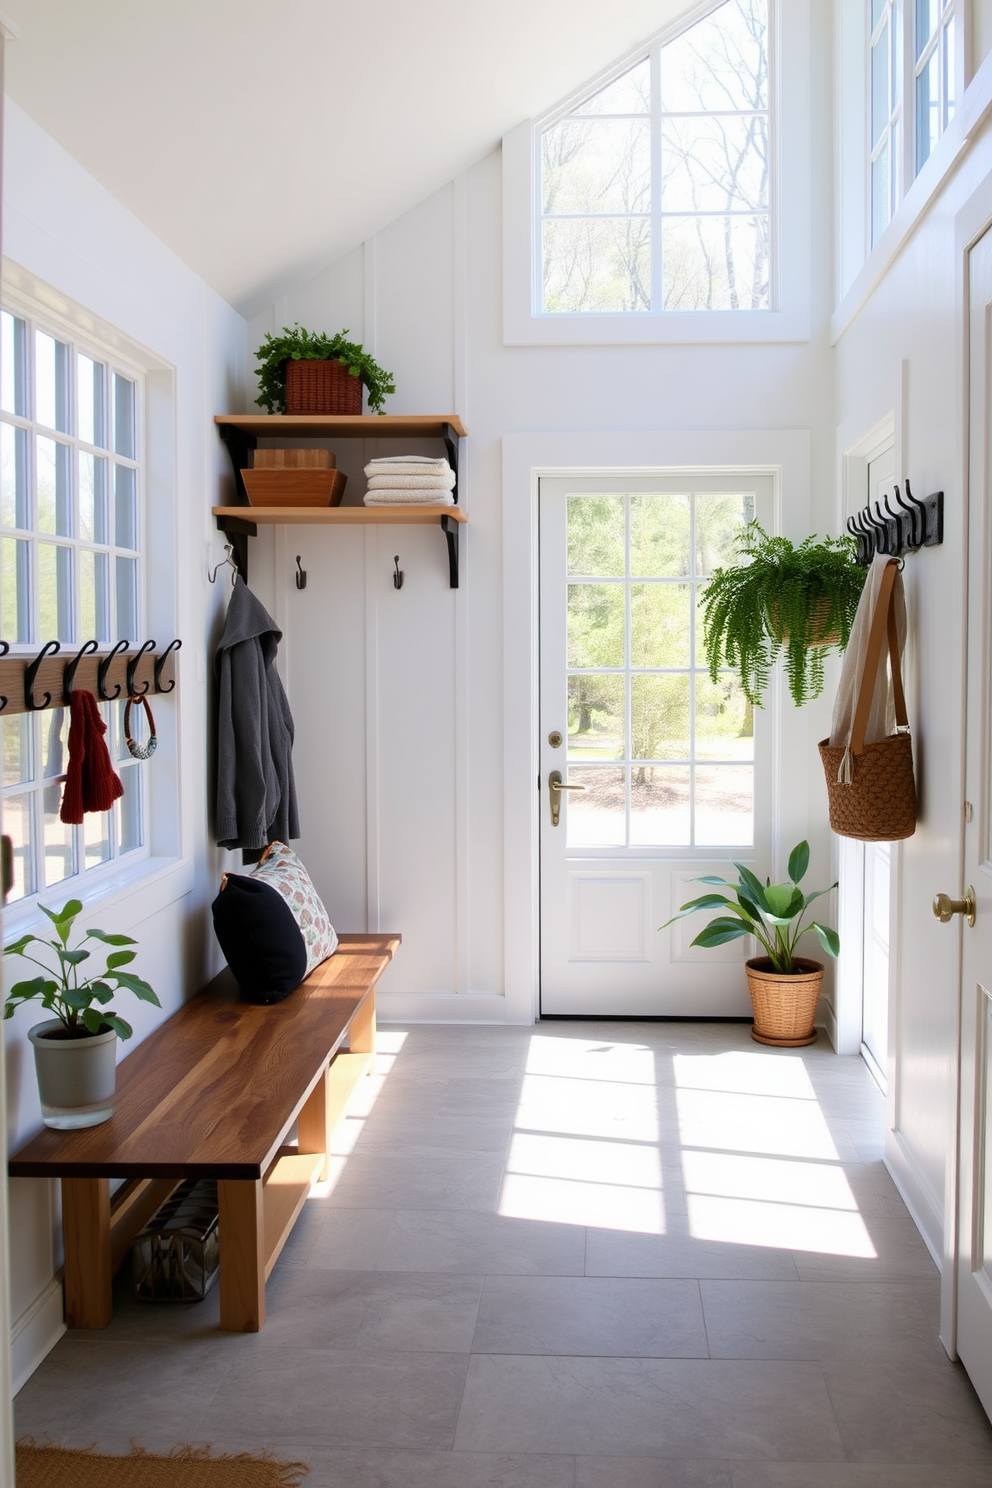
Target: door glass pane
{"points": [[660, 806], [596, 536], [596, 727], [724, 805], [719, 519], [15, 507], [18, 824], [660, 540], [595, 625], [659, 717], [596, 816], [659, 625], [724, 720]]}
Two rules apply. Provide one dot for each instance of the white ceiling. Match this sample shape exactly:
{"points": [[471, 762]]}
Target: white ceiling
{"points": [[262, 139]]}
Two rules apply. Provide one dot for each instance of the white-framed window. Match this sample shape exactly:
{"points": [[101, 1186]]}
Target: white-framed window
{"points": [[669, 199], [913, 85], [71, 533], [656, 190]]}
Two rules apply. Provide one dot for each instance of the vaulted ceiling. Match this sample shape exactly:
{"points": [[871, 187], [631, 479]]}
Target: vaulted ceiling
{"points": [[262, 139]]}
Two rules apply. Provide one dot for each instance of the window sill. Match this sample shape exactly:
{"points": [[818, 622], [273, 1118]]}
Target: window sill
{"points": [[129, 893], [949, 153]]}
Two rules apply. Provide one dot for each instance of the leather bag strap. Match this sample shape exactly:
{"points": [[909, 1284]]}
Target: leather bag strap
{"points": [[883, 626]]}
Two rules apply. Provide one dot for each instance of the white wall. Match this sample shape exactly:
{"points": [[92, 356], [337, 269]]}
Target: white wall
{"points": [[62, 227], [901, 354], [400, 760]]}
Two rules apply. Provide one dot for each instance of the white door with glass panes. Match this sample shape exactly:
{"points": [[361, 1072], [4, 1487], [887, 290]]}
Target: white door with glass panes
{"points": [[664, 772]]}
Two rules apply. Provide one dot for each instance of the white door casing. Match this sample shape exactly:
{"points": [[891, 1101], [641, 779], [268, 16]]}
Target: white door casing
{"points": [[627, 847]]}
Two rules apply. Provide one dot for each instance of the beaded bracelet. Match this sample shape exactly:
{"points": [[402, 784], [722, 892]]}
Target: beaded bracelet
{"points": [[139, 751]]}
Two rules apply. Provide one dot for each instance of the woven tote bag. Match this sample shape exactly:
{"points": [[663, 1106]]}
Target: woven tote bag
{"points": [[871, 788]]}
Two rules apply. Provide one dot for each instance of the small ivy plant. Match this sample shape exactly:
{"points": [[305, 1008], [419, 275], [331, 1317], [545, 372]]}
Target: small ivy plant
{"points": [[297, 345], [798, 599], [64, 992]]}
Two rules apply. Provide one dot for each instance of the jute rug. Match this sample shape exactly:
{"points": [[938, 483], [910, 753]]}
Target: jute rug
{"points": [[184, 1467]]}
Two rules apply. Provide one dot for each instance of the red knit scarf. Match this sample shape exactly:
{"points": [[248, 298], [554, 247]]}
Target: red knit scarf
{"points": [[90, 781]]}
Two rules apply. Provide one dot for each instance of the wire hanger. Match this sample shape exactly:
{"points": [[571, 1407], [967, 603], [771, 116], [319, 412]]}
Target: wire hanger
{"points": [[227, 559]]}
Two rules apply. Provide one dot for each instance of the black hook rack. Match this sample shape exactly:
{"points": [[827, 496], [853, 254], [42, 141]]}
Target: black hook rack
{"points": [[4, 700], [911, 525], [398, 573], [101, 673], [31, 672], [301, 574], [133, 691], [160, 663], [69, 670]]}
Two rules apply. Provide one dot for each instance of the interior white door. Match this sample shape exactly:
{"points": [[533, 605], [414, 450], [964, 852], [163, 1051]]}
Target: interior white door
{"points": [[974, 1243], [664, 773]]}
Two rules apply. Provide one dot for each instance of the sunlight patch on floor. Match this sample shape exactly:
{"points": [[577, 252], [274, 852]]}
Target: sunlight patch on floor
{"points": [[601, 1206], [743, 1073], [778, 1226], [754, 1124], [591, 1059], [588, 1108], [360, 1103]]}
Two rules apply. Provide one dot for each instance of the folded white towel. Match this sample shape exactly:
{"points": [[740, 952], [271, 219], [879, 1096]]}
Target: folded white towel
{"points": [[436, 481], [397, 497], [439, 471], [427, 461]]}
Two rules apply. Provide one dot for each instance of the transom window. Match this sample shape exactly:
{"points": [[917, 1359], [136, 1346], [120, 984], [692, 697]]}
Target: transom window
{"points": [[70, 533], [656, 190], [665, 755]]}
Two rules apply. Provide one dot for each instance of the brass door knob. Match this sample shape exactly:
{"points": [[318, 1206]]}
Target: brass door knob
{"points": [[555, 786], [945, 908]]}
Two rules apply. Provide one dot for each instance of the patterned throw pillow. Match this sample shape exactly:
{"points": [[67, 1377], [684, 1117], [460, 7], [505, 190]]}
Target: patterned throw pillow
{"points": [[280, 867]]}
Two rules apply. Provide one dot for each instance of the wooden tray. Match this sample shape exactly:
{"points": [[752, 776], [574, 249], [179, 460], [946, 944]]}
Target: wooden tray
{"points": [[294, 487], [294, 459]]}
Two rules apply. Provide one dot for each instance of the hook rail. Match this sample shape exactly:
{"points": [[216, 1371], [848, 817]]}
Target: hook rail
{"points": [[912, 524], [32, 682]]}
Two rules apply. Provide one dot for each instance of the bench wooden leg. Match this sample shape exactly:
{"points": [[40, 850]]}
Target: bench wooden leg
{"points": [[361, 1034], [242, 1255], [86, 1240]]}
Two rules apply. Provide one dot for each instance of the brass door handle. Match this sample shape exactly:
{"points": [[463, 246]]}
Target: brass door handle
{"points": [[944, 908], [555, 786]]}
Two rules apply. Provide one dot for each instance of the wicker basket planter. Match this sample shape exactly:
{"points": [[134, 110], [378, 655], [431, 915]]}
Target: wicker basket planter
{"points": [[322, 387], [784, 1006]]}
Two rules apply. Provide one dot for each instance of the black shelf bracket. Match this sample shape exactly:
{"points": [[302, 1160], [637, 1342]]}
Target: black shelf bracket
{"points": [[450, 529]]}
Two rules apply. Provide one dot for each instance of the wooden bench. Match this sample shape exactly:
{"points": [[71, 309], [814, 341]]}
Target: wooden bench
{"points": [[214, 1092]]}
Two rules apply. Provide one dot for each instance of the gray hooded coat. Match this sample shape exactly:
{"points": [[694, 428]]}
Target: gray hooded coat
{"points": [[256, 793]]}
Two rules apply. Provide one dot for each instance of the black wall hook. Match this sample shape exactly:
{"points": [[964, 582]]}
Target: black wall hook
{"points": [[398, 574], [103, 669], [132, 665], [301, 574], [69, 670], [3, 699], [172, 646], [31, 672]]}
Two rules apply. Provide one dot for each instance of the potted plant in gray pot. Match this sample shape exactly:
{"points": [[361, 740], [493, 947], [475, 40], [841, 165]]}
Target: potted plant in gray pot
{"points": [[784, 987], [76, 1050]]}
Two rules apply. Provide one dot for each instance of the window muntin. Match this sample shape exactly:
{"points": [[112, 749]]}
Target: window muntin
{"points": [[655, 192], [70, 531], [666, 756]]}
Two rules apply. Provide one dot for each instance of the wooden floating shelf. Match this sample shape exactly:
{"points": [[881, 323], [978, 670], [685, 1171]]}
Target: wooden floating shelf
{"points": [[339, 516], [327, 425]]}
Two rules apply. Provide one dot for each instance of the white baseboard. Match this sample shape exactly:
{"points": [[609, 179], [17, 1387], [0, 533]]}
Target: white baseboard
{"points": [[922, 1203], [440, 1007], [35, 1333], [827, 1020]]}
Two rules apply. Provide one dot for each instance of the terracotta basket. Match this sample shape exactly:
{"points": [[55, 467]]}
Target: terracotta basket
{"points": [[784, 1006], [322, 387]]}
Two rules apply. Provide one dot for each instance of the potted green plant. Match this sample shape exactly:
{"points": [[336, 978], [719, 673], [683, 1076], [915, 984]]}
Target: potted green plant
{"points": [[310, 372], [784, 987], [76, 1050], [801, 599]]}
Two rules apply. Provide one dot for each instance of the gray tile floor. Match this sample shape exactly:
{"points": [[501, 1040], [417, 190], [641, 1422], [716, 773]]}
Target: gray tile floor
{"points": [[635, 1255]]}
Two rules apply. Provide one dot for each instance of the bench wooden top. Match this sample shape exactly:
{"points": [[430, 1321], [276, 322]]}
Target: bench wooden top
{"points": [[213, 1090]]}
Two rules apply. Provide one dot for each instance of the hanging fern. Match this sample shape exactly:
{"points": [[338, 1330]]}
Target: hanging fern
{"points": [[798, 599]]}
